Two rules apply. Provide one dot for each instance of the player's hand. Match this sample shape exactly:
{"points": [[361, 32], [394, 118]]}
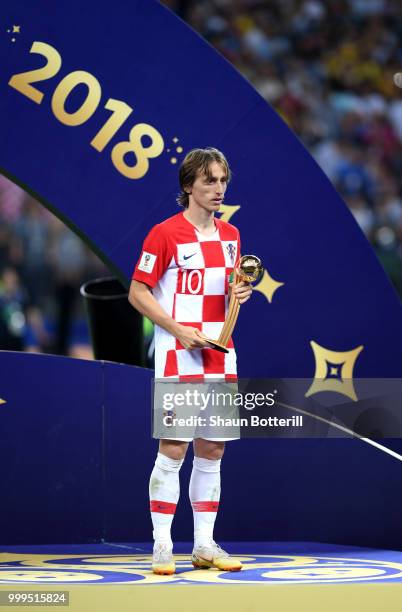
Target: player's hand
{"points": [[191, 337], [242, 291]]}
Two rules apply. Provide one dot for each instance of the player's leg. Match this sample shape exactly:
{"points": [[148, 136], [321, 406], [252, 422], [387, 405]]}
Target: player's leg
{"points": [[205, 488], [164, 490]]}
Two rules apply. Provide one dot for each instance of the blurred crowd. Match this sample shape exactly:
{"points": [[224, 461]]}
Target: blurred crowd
{"points": [[329, 68], [42, 267]]}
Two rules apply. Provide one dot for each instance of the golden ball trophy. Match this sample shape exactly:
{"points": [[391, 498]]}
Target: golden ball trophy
{"points": [[250, 270]]}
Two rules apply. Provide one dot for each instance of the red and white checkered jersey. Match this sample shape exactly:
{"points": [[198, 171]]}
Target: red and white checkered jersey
{"points": [[189, 276]]}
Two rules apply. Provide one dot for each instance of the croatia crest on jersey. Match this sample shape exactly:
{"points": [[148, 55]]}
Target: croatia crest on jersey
{"points": [[231, 249]]}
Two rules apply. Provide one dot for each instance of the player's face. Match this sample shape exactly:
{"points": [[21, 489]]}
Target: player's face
{"points": [[207, 191]]}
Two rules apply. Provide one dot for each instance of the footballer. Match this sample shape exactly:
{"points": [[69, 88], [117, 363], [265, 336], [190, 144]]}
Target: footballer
{"points": [[182, 283]]}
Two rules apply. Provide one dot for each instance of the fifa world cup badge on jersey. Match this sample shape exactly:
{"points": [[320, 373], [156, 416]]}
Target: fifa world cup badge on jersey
{"points": [[231, 251], [147, 262]]}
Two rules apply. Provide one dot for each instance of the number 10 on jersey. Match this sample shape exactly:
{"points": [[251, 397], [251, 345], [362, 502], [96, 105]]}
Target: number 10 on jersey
{"points": [[191, 281]]}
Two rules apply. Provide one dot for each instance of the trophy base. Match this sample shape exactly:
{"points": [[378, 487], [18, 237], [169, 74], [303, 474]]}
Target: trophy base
{"points": [[218, 346]]}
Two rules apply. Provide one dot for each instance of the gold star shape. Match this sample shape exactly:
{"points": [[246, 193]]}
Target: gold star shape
{"points": [[334, 371], [227, 211], [322, 383], [16, 28], [268, 286]]}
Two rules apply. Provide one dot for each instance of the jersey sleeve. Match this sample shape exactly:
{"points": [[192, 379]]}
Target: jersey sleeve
{"points": [[155, 257]]}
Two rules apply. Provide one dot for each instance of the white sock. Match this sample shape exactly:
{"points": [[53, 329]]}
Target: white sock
{"points": [[205, 489], [164, 491]]}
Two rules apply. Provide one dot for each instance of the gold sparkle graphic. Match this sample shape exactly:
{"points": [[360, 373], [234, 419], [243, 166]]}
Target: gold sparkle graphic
{"points": [[16, 30], [268, 286], [227, 211], [179, 149], [173, 160], [334, 370], [2, 401]]}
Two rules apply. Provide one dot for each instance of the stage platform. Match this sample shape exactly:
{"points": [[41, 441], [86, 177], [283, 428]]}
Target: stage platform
{"points": [[276, 576]]}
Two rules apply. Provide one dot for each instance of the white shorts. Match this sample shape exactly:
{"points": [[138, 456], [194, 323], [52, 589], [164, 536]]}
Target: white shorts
{"points": [[193, 410]]}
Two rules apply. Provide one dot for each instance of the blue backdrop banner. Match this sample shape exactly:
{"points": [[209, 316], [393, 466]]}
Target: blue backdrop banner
{"points": [[99, 103]]}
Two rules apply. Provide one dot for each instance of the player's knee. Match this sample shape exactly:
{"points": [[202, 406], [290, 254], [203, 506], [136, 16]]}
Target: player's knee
{"points": [[173, 449], [207, 449], [215, 453]]}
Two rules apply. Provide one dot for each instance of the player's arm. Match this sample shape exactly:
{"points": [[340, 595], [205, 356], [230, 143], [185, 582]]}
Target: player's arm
{"points": [[241, 290], [142, 299]]}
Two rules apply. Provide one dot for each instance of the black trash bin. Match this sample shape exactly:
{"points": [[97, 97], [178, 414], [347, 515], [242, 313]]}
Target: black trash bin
{"points": [[116, 328]]}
